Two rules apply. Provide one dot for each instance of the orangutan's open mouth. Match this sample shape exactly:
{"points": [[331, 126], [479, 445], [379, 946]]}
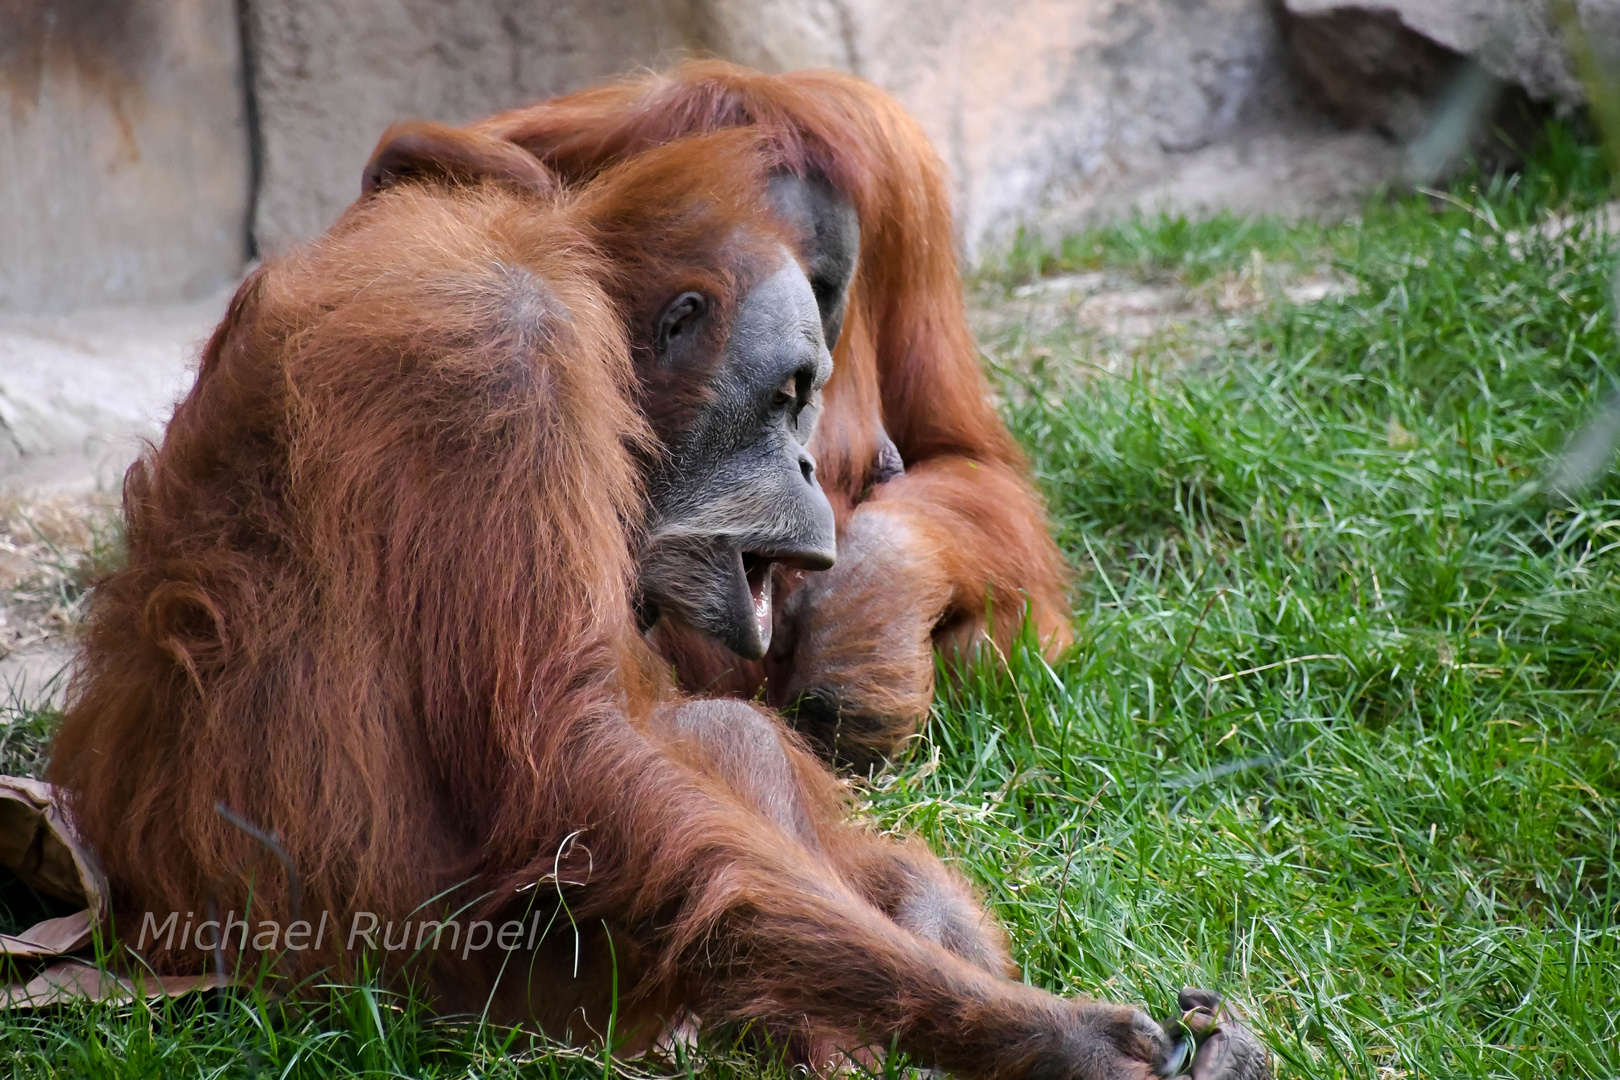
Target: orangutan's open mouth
{"points": [[757, 572]]}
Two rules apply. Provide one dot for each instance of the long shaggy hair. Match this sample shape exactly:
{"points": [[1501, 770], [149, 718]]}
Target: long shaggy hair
{"points": [[378, 608], [953, 552], [379, 571]]}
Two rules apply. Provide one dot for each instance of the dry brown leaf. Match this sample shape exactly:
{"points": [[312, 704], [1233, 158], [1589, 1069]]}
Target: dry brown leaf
{"points": [[77, 980]]}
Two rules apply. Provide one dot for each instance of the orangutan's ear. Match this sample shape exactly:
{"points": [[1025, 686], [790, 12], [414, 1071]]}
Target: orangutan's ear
{"points": [[420, 151], [830, 239]]}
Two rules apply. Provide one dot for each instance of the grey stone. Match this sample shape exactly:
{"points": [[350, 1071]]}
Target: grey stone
{"points": [[1518, 41], [79, 392], [1046, 112], [1041, 109], [1375, 71], [124, 165], [775, 35], [1053, 112], [331, 75]]}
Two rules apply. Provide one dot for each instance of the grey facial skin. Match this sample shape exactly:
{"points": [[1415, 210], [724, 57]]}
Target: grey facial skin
{"points": [[832, 229], [738, 491]]}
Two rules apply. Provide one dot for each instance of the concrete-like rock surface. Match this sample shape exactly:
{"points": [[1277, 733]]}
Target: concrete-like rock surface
{"points": [[331, 75], [124, 154], [1072, 108], [1043, 110], [1518, 41], [78, 392], [1377, 73], [126, 158], [1285, 167], [127, 129]]}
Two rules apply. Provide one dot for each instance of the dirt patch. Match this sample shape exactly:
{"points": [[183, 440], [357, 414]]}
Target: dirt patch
{"points": [[80, 394], [50, 548], [1121, 319]]}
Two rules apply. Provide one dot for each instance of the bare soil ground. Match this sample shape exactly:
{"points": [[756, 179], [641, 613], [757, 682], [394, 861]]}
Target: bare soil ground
{"points": [[1125, 318], [49, 548], [79, 392]]}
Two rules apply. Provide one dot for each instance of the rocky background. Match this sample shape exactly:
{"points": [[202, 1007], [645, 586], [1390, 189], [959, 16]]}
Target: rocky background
{"points": [[150, 148]]}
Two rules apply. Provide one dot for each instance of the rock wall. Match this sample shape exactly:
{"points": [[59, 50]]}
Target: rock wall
{"points": [[1046, 107], [1519, 41], [139, 157], [1030, 101], [124, 163], [331, 75]]}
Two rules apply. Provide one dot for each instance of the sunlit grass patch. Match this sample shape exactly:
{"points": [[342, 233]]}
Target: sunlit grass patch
{"points": [[1341, 733]]}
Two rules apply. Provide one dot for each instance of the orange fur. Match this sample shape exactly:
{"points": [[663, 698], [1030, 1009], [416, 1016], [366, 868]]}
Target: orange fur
{"points": [[906, 368], [377, 602]]}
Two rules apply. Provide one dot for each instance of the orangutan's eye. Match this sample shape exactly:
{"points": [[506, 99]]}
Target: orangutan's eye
{"points": [[787, 394]]}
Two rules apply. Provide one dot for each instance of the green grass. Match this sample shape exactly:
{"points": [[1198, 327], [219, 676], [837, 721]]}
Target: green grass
{"points": [[1341, 735]]}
